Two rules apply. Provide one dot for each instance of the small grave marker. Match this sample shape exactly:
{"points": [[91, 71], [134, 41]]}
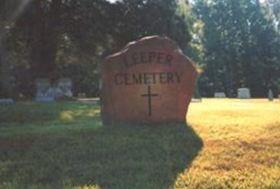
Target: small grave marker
{"points": [[44, 91], [6, 101], [65, 87], [220, 95], [243, 93], [270, 95], [49, 93]]}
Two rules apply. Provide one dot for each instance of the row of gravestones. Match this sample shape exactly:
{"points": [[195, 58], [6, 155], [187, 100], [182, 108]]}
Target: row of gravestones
{"points": [[150, 80], [243, 93], [47, 92]]}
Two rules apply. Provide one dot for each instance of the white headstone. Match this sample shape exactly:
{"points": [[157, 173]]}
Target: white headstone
{"points": [[220, 95], [43, 93], [244, 93], [65, 87], [270, 95], [196, 100], [48, 93]]}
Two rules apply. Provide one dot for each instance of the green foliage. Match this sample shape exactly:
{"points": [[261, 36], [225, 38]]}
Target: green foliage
{"points": [[137, 18], [241, 47], [69, 38], [234, 42]]}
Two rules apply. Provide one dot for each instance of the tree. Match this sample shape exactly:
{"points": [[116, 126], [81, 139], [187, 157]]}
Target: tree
{"points": [[9, 10], [241, 46], [44, 31], [137, 18], [55, 38]]}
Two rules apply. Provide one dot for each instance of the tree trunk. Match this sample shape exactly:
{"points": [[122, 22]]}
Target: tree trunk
{"points": [[44, 38], [5, 89]]}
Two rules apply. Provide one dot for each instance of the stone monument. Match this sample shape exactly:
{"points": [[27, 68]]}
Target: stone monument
{"points": [[220, 95], [43, 93], [65, 86], [270, 95], [149, 81], [243, 93], [48, 93]]}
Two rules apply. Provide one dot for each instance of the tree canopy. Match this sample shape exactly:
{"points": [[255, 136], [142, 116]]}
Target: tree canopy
{"points": [[241, 46], [235, 43]]}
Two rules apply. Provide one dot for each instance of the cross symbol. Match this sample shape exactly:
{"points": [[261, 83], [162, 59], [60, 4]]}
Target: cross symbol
{"points": [[149, 95]]}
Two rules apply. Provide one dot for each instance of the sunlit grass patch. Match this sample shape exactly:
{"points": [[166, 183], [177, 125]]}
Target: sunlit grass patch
{"points": [[71, 115], [241, 144], [64, 145]]}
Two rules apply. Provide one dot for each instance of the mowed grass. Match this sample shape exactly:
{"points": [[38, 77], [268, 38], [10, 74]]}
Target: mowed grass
{"points": [[226, 144], [64, 145], [241, 144]]}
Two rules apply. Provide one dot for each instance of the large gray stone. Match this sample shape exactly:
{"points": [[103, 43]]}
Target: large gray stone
{"points": [[220, 95], [243, 93]]}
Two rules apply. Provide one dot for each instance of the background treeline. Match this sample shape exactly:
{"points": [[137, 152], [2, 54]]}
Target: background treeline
{"points": [[235, 43]]}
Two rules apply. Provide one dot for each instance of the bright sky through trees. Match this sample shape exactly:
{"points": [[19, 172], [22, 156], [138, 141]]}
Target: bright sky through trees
{"points": [[112, 1]]}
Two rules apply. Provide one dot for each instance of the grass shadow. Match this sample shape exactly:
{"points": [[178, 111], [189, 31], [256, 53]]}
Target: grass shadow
{"points": [[110, 157]]}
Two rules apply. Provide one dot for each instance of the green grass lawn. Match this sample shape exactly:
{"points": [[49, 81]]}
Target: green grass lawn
{"points": [[228, 144], [64, 145]]}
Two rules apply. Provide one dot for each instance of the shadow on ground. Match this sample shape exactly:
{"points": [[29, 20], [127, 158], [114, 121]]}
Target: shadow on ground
{"points": [[120, 157]]}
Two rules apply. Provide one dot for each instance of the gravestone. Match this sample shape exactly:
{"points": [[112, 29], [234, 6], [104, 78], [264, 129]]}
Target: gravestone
{"points": [[64, 88], [81, 95], [44, 91], [270, 95], [196, 100], [243, 93], [6, 101], [48, 93], [149, 81], [220, 95]]}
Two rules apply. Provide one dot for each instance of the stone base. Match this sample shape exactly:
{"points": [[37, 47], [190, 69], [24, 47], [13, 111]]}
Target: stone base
{"points": [[44, 99], [6, 101]]}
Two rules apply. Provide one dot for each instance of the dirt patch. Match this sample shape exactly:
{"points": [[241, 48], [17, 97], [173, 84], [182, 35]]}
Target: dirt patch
{"points": [[16, 143]]}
